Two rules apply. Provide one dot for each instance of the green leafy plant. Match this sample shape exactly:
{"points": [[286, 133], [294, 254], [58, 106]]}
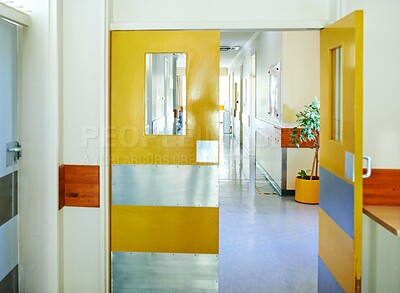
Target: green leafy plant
{"points": [[307, 129], [303, 173]]}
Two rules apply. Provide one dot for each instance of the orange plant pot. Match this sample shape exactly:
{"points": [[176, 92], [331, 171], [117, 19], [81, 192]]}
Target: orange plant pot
{"points": [[307, 191]]}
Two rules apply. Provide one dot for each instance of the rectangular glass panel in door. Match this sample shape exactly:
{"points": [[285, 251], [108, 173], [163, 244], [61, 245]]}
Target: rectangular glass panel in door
{"points": [[165, 100], [8, 160], [340, 210], [337, 111]]}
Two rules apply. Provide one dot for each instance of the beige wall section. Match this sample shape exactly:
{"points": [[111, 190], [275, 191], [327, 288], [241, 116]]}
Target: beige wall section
{"points": [[381, 78], [300, 71], [300, 84], [381, 256], [297, 159]]}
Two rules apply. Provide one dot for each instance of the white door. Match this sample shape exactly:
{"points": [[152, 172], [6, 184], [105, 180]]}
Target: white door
{"points": [[9, 155]]}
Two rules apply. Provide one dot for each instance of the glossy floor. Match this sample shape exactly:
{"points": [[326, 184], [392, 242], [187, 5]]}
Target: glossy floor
{"points": [[268, 243]]}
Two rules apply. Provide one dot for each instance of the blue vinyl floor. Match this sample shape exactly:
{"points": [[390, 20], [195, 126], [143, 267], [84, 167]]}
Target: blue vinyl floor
{"points": [[268, 243]]}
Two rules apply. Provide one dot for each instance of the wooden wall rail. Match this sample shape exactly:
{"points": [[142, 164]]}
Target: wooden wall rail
{"points": [[382, 188], [79, 186], [61, 187], [286, 142]]}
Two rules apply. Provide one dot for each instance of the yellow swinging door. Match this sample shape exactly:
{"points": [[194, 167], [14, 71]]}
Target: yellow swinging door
{"points": [[164, 191], [340, 212]]}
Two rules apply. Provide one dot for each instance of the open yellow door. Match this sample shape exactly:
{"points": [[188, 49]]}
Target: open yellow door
{"points": [[164, 155], [340, 212]]}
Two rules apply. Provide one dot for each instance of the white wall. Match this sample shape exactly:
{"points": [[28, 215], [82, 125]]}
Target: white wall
{"points": [[222, 14], [268, 47], [38, 205], [381, 78], [381, 128], [381, 257], [82, 259], [83, 127], [269, 51], [82, 67], [63, 111]]}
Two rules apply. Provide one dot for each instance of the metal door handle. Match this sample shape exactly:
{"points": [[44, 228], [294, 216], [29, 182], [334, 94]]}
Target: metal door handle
{"points": [[369, 169], [16, 149]]}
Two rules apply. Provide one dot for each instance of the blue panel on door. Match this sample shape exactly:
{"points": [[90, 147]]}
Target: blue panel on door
{"points": [[326, 281], [337, 200]]}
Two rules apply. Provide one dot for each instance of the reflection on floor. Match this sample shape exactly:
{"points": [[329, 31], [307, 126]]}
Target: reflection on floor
{"points": [[268, 243]]}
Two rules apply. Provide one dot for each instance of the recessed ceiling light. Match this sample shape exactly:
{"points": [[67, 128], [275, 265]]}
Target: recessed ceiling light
{"points": [[229, 48]]}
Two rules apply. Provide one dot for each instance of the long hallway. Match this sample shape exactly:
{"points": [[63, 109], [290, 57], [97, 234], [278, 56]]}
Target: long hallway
{"points": [[268, 243]]}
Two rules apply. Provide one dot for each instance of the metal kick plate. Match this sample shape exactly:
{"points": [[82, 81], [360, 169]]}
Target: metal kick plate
{"points": [[165, 185], [164, 272], [207, 151], [349, 166]]}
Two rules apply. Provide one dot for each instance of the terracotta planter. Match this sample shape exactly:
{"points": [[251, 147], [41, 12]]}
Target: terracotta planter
{"points": [[307, 191]]}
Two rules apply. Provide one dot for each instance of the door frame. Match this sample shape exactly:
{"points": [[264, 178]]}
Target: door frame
{"points": [[105, 108], [10, 166]]}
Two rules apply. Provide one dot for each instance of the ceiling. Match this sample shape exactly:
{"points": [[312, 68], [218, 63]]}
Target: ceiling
{"points": [[233, 39]]}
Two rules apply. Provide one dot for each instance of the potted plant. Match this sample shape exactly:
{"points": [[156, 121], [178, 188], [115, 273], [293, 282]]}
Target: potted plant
{"points": [[307, 130]]}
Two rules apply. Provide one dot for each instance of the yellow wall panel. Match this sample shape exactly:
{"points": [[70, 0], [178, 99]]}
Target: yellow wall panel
{"points": [[129, 144], [164, 229], [336, 250]]}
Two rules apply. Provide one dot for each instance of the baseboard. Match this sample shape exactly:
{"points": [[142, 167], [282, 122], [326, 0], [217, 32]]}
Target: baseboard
{"points": [[288, 192]]}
